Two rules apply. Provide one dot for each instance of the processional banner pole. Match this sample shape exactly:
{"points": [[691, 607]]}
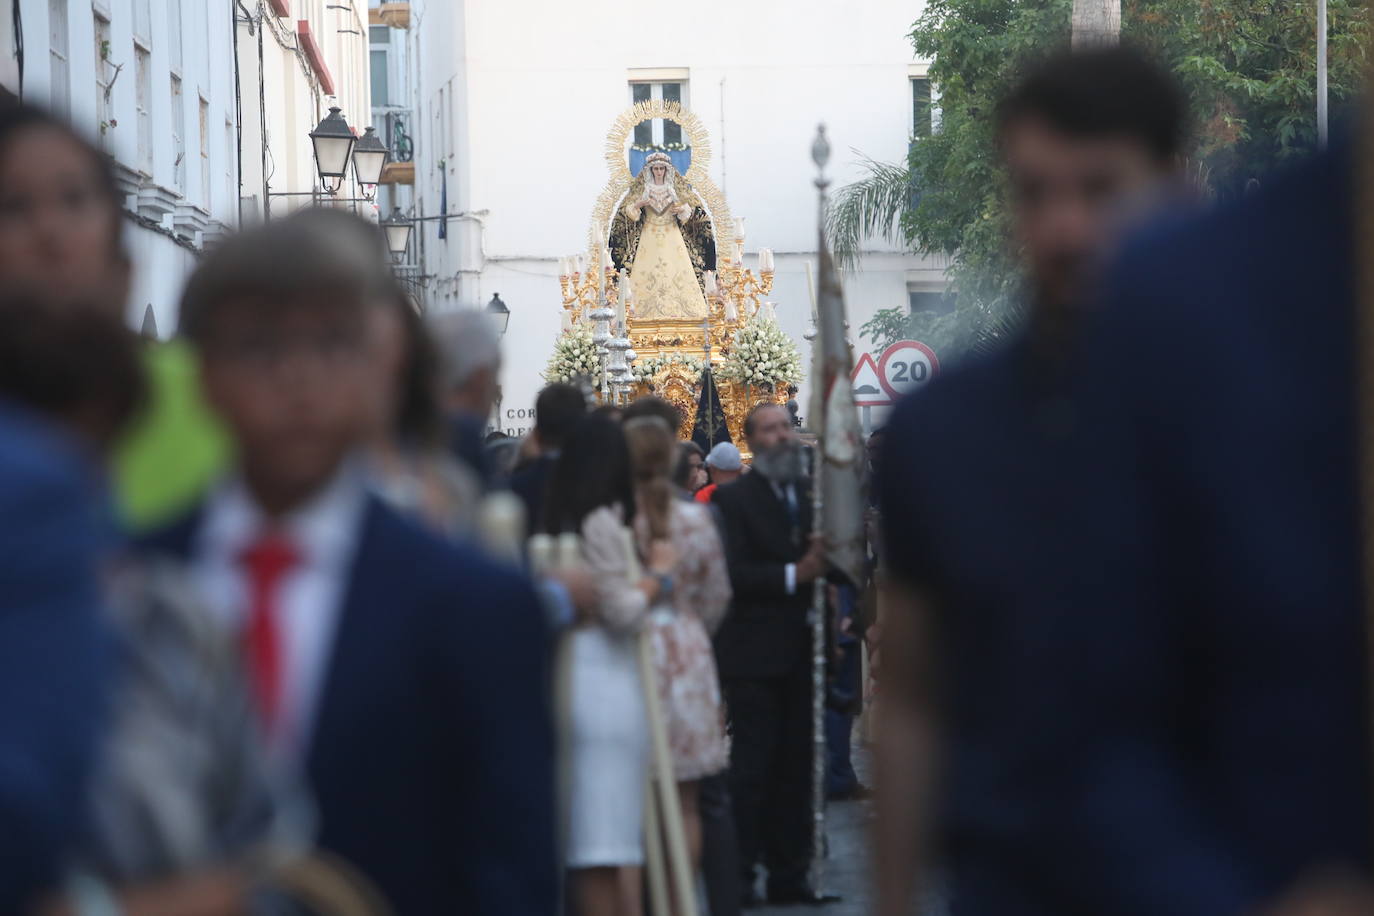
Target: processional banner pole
{"points": [[820, 153], [837, 497], [818, 670]]}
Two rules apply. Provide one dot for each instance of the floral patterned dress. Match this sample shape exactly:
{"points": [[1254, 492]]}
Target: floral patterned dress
{"points": [[688, 687]]}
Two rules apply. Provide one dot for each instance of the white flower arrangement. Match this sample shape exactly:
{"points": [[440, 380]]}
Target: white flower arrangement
{"points": [[645, 370], [574, 357], [762, 353]]}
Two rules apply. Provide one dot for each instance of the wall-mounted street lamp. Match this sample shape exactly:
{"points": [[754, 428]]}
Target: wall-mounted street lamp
{"points": [[335, 148], [369, 156], [333, 141], [398, 230], [499, 314]]}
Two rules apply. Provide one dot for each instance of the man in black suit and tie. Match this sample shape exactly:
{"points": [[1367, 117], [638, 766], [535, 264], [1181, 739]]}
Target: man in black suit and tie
{"points": [[763, 653]]}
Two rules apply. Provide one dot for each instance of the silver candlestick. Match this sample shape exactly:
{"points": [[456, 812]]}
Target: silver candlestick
{"points": [[601, 335], [617, 365]]}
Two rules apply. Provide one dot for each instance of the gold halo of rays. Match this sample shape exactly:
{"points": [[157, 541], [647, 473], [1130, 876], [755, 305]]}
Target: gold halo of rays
{"points": [[619, 166]]}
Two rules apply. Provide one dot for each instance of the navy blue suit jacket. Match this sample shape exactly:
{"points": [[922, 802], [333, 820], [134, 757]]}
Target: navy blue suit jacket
{"points": [[55, 652], [431, 760], [1220, 391], [973, 513]]}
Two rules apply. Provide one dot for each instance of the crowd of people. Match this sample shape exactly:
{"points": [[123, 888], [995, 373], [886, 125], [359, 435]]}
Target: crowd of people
{"points": [[284, 625], [283, 628]]}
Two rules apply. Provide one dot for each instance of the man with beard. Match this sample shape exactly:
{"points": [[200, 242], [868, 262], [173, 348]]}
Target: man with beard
{"points": [[763, 653]]}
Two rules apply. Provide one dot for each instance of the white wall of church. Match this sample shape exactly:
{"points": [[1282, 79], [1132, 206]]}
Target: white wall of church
{"points": [[515, 99]]}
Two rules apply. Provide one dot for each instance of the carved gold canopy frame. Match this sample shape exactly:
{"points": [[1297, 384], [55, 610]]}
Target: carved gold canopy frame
{"points": [[618, 163], [664, 337]]}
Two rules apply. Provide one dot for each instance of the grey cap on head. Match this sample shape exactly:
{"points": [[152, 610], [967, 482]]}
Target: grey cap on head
{"points": [[467, 342], [724, 457]]}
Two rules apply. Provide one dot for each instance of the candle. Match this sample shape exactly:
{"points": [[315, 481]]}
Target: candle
{"points": [[579, 264], [541, 554], [710, 281], [810, 291], [739, 254], [501, 522], [731, 313], [567, 321], [569, 551], [766, 260], [620, 311], [739, 229], [606, 261], [626, 287]]}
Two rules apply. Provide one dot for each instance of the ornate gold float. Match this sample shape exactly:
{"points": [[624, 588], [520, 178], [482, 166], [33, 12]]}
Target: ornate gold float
{"points": [[733, 293]]}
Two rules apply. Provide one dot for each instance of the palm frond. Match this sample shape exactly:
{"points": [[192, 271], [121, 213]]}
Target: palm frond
{"points": [[1001, 326], [870, 207]]}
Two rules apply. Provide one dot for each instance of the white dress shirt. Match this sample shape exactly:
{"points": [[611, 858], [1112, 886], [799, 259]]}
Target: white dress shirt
{"points": [[787, 495], [310, 596]]}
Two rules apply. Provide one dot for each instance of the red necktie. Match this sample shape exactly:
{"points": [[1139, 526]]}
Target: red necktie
{"points": [[266, 562]]}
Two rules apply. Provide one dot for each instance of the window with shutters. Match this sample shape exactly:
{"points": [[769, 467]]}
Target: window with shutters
{"points": [[179, 134], [60, 64], [143, 100], [658, 133], [204, 153], [103, 70]]}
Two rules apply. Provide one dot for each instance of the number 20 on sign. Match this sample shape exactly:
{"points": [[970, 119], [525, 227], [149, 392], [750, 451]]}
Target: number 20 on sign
{"points": [[906, 366]]}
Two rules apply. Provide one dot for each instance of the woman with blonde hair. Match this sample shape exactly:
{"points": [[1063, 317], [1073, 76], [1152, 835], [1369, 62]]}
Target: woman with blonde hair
{"points": [[683, 618]]}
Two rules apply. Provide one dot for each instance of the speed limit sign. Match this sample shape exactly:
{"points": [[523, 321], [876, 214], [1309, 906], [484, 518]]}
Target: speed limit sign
{"points": [[906, 366]]}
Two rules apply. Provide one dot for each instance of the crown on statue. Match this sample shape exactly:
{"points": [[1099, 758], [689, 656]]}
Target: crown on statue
{"points": [[658, 157]]}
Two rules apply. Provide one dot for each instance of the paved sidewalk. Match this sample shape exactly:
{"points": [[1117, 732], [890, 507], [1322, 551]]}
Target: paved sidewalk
{"points": [[846, 869]]}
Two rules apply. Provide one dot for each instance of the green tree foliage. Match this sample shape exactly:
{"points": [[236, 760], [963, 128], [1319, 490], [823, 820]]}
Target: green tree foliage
{"points": [[1248, 68]]}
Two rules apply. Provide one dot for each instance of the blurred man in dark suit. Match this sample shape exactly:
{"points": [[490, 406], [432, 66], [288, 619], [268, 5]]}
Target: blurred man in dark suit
{"points": [[763, 652], [556, 412], [977, 481]]}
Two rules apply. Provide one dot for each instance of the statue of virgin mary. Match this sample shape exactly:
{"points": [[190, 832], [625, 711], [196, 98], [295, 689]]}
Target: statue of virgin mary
{"points": [[662, 235]]}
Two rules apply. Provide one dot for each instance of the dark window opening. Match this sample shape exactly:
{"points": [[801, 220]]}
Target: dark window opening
{"points": [[925, 301], [920, 107], [644, 133]]}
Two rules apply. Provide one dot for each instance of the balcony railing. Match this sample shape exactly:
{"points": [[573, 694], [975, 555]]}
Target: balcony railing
{"points": [[394, 126]]}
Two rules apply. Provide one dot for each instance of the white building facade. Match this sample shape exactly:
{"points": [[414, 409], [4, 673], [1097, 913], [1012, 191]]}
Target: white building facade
{"points": [[205, 107], [152, 83], [297, 59], [512, 102]]}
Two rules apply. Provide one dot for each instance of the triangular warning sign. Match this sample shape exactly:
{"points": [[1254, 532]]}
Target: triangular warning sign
{"points": [[867, 384]]}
